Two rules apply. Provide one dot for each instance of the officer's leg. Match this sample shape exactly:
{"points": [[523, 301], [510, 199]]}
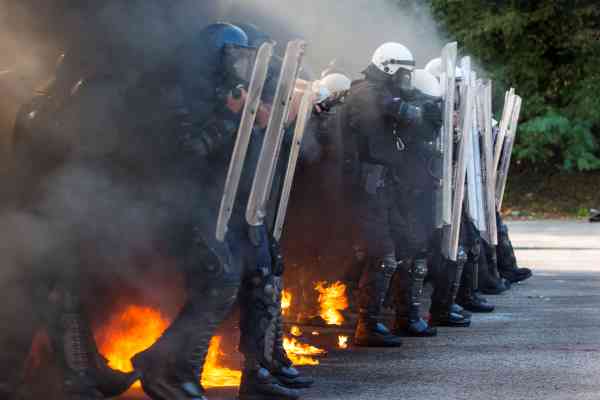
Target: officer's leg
{"points": [[447, 275], [380, 264], [260, 299], [411, 239], [282, 367], [507, 261], [172, 367], [468, 296]]}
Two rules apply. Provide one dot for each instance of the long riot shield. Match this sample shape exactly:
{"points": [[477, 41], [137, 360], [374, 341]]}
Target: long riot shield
{"points": [[509, 104], [443, 210], [306, 107], [475, 189], [451, 236], [236, 164], [484, 113], [271, 146], [502, 175]]}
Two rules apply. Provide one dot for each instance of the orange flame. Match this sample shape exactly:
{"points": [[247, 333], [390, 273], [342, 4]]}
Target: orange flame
{"points": [[296, 331], [343, 342], [286, 301], [301, 353], [128, 333], [137, 328], [332, 300], [215, 375]]}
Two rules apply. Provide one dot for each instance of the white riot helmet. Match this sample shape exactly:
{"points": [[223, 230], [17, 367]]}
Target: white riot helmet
{"points": [[434, 67], [426, 83], [332, 84], [391, 56]]}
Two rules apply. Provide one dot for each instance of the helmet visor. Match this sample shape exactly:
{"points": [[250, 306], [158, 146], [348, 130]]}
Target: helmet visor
{"points": [[239, 61]]}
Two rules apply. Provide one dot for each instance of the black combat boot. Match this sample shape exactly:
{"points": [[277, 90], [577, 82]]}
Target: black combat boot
{"points": [[506, 259], [444, 311], [408, 283], [374, 285], [468, 297], [370, 333], [282, 367], [489, 279], [259, 384]]}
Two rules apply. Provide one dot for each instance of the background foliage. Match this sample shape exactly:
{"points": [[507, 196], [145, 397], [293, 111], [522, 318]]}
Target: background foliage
{"points": [[550, 52]]}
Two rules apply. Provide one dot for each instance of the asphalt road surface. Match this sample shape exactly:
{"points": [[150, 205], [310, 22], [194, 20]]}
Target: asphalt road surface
{"points": [[543, 342]]}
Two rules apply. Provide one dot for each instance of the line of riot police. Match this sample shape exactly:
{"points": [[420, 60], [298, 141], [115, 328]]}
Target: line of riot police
{"points": [[215, 135]]}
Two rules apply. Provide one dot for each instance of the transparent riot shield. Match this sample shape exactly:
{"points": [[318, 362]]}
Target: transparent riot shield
{"points": [[475, 191], [304, 114], [271, 146], [236, 164], [484, 113], [502, 175], [509, 104], [443, 215], [451, 235]]}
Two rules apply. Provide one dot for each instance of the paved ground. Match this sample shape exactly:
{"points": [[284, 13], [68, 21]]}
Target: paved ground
{"points": [[542, 343]]}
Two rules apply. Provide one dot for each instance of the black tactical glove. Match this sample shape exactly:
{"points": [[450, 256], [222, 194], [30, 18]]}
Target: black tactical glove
{"points": [[403, 111], [207, 140]]}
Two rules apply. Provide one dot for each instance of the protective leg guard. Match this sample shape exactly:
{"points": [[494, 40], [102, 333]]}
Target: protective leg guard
{"points": [[444, 311], [69, 337], [373, 288], [282, 367], [408, 320]]}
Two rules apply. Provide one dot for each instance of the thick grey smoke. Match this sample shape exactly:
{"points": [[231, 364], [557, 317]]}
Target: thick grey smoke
{"points": [[87, 214], [348, 31]]}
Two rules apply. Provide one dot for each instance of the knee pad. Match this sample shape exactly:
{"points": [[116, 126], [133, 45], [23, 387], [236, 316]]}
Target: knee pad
{"points": [[461, 258]]}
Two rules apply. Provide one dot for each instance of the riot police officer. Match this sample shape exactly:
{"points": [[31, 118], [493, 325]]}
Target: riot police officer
{"points": [[49, 132], [378, 110], [218, 61]]}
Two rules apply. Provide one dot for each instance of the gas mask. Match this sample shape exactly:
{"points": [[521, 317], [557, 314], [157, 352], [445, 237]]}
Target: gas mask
{"points": [[403, 80], [239, 62]]}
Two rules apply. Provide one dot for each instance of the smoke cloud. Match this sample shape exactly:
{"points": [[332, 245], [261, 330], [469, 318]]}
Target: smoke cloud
{"points": [[347, 31], [89, 215]]}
